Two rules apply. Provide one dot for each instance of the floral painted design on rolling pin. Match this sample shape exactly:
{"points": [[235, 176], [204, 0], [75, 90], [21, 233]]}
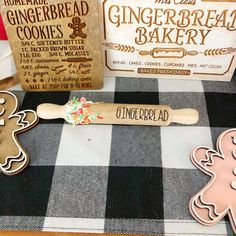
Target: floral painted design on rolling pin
{"points": [[78, 112]]}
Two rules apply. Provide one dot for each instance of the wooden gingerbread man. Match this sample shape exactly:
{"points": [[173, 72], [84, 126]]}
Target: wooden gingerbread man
{"points": [[77, 26], [218, 197], [13, 157]]}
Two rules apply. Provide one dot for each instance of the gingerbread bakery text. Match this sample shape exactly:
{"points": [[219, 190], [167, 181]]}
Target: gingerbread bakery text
{"points": [[42, 11], [166, 25]]}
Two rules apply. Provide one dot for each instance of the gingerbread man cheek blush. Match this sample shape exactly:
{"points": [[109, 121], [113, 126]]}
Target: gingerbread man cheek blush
{"points": [[218, 197]]}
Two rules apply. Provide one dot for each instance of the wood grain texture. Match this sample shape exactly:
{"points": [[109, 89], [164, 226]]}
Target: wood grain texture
{"points": [[8, 82], [121, 114], [62, 50]]}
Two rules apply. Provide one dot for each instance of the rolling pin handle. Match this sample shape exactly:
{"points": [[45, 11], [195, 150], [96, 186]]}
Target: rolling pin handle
{"points": [[185, 116], [50, 111]]}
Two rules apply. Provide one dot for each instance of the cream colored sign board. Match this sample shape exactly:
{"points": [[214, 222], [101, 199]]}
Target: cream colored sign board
{"points": [[56, 44], [182, 39]]}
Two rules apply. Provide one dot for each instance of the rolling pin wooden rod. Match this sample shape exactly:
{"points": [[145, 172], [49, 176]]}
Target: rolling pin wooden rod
{"points": [[122, 114]]}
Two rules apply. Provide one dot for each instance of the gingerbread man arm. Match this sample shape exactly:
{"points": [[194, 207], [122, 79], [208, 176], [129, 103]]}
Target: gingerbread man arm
{"points": [[203, 158], [82, 25], [72, 26], [25, 119]]}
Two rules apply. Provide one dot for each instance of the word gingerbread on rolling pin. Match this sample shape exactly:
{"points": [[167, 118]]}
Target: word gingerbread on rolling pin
{"points": [[79, 111]]}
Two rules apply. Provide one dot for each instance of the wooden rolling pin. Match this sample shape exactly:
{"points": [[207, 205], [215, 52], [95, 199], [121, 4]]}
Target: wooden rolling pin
{"points": [[80, 112]]}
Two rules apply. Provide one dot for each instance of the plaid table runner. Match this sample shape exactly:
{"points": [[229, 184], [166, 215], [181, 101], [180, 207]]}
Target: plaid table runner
{"points": [[118, 179]]}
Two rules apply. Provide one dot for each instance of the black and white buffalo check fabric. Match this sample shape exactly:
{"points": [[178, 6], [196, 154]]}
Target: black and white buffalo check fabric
{"points": [[118, 179]]}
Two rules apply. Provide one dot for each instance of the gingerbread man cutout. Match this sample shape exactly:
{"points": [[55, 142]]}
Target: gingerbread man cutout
{"points": [[218, 197], [77, 26], [13, 157]]}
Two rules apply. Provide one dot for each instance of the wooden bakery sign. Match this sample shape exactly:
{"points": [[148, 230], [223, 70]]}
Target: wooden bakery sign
{"points": [[192, 39], [56, 44]]}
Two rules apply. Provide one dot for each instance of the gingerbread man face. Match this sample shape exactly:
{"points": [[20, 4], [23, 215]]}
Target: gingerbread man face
{"points": [[76, 20], [13, 157], [218, 198], [77, 27]]}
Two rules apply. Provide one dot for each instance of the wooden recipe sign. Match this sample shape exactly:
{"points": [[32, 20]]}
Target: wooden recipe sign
{"points": [[184, 39], [56, 44]]}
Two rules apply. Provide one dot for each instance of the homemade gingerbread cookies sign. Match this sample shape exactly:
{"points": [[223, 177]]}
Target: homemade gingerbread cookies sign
{"points": [[218, 197], [56, 44], [13, 157]]}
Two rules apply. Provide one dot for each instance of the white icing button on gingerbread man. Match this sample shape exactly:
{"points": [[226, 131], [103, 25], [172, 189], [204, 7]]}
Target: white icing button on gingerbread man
{"points": [[2, 123], [234, 140], [233, 183], [2, 101], [234, 171]]}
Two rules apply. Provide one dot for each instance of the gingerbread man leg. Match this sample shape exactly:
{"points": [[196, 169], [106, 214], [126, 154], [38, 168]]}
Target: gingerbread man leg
{"points": [[232, 218], [82, 35], [15, 164], [73, 36], [206, 207]]}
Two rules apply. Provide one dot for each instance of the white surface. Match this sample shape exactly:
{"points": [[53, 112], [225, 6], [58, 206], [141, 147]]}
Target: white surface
{"points": [[15, 88], [175, 149], [183, 228], [74, 225], [7, 65], [165, 85], [90, 151]]}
